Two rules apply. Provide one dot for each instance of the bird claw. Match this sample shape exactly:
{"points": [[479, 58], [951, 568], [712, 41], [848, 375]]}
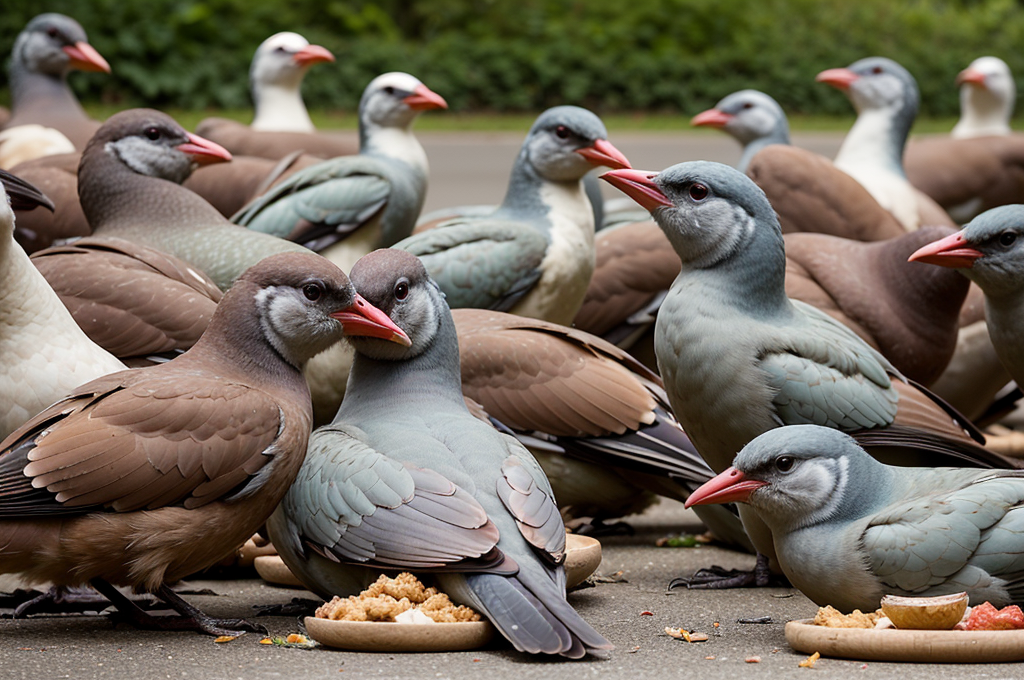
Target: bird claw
{"points": [[719, 578]]}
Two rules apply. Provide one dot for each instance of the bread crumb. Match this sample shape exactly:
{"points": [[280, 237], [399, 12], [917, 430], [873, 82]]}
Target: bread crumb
{"points": [[386, 598], [809, 661], [831, 617]]}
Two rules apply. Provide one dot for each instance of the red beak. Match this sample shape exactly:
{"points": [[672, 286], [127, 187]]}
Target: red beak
{"points": [[712, 118], [603, 153], [203, 151], [840, 78], [729, 487], [951, 251], [312, 54], [84, 57], [424, 98], [972, 76], [365, 320], [639, 185]]}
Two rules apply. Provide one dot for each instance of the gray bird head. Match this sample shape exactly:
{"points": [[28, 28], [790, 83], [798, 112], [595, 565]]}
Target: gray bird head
{"points": [[747, 115], [566, 142], [710, 212], [393, 100], [151, 143], [283, 59], [398, 284], [989, 250], [53, 44], [798, 476], [879, 84]]}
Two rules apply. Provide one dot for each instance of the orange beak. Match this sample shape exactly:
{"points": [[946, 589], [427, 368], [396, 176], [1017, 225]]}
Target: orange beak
{"points": [[424, 98], [729, 487], [972, 76], [603, 153], [639, 185], [203, 151], [951, 251], [840, 78], [84, 57], [712, 118], [363, 319], [312, 54]]}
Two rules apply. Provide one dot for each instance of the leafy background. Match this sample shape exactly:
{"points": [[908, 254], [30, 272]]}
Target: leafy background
{"points": [[526, 55]]}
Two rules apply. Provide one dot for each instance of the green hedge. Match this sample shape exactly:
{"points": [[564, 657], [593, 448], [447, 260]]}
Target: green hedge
{"points": [[525, 55]]}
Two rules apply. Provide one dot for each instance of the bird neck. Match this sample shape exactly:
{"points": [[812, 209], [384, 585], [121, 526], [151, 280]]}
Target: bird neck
{"points": [[432, 378], [1004, 315], [280, 108], [982, 113], [524, 196], [778, 136], [120, 202], [876, 139], [394, 143], [42, 92]]}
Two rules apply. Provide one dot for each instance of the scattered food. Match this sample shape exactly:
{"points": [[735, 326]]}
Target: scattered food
{"points": [[646, 612], [612, 578], [986, 617], [831, 617], [683, 541], [683, 634], [388, 598], [709, 658], [634, 650], [292, 640], [226, 638], [753, 659], [810, 661]]}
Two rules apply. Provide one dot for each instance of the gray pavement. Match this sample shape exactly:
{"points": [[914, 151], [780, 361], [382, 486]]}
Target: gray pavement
{"points": [[89, 647]]}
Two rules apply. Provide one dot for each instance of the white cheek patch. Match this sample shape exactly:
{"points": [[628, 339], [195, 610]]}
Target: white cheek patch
{"points": [[150, 160]]}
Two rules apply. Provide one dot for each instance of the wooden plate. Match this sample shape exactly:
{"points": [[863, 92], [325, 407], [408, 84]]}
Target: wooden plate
{"points": [[375, 636], [929, 646]]}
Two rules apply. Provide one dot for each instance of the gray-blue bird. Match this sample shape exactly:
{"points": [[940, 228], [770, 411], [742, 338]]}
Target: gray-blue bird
{"points": [[849, 529], [752, 118], [406, 478], [534, 255]]}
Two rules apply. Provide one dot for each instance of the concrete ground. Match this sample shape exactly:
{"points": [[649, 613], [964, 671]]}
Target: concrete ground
{"points": [[87, 647]]}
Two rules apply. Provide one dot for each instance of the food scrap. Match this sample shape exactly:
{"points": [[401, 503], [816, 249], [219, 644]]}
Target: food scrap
{"points": [[226, 638], [831, 617], [986, 617], [753, 659], [683, 541], [810, 661], [296, 640], [387, 598], [683, 634]]}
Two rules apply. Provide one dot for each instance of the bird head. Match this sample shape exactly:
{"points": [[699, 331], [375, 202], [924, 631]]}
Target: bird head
{"points": [[989, 250], [876, 83], [283, 59], [794, 476], [393, 100], [747, 115], [54, 44], [566, 142]]}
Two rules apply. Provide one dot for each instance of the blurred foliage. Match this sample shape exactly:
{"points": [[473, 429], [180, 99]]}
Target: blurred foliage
{"points": [[663, 56]]}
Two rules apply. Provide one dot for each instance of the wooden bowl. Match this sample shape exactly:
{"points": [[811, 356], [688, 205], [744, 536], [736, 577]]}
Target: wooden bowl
{"points": [[375, 636], [893, 644]]}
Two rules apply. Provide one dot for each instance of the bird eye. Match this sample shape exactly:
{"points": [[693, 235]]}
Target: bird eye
{"points": [[748, 105], [401, 289], [152, 133], [313, 291], [699, 192], [876, 70], [784, 463], [1007, 239], [52, 32], [389, 90], [562, 132]]}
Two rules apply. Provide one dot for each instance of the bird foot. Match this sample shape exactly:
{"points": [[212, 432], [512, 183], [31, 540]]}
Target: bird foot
{"points": [[299, 606], [719, 578], [60, 600]]}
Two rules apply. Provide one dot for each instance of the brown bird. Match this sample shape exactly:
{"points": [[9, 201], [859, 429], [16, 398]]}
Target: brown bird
{"points": [[143, 477], [57, 177], [131, 300]]}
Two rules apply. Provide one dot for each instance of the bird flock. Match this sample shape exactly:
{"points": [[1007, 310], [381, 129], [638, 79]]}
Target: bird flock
{"points": [[803, 350]]}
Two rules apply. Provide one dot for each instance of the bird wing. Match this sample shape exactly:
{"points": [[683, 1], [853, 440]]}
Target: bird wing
{"points": [[525, 491], [126, 444], [922, 542], [487, 263], [823, 374], [358, 505], [321, 204]]}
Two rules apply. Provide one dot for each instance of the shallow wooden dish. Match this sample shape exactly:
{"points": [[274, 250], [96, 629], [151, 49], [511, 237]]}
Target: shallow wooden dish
{"points": [[925, 646], [582, 558], [272, 569], [375, 636]]}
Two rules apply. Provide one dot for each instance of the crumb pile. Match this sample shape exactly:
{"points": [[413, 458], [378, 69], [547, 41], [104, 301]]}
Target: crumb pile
{"points": [[388, 597], [831, 617]]}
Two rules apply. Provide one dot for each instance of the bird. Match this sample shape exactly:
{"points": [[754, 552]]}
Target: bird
{"points": [[849, 529], [534, 255], [43, 352], [129, 187], [57, 177], [44, 52], [136, 302], [980, 165], [145, 476], [752, 118], [347, 206], [281, 123], [406, 477], [886, 98], [738, 357], [988, 252]]}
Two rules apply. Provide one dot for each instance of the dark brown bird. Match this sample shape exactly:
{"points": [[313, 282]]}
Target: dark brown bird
{"points": [[57, 177], [143, 477]]}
